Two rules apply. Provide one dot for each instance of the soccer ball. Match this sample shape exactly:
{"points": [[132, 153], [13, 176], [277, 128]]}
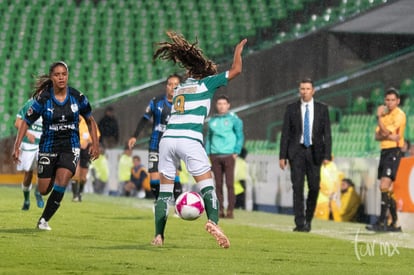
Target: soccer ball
{"points": [[189, 206]]}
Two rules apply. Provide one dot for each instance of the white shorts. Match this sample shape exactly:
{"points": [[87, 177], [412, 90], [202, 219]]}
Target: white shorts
{"points": [[28, 160], [192, 152]]}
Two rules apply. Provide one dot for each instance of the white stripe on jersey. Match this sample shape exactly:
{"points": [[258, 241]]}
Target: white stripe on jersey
{"points": [[186, 119], [191, 105], [192, 87], [183, 133]]}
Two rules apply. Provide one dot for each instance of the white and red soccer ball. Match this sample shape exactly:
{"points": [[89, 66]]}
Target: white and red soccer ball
{"points": [[189, 206]]}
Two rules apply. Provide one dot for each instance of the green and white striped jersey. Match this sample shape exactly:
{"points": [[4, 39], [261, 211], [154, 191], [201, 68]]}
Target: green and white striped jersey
{"points": [[35, 129], [191, 105]]}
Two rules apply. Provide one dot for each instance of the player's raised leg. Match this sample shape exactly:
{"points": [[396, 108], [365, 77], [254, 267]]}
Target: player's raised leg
{"points": [[211, 204]]}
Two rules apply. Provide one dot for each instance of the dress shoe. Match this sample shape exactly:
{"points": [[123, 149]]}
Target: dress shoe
{"points": [[307, 227], [299, 229], [229, 215]]}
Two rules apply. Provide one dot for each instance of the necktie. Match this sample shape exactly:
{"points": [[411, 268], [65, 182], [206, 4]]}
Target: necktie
{"points": [[306, 128]]}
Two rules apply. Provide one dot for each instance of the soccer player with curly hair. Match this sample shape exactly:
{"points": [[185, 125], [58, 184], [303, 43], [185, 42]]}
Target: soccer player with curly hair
{"points": [[183, 139]]}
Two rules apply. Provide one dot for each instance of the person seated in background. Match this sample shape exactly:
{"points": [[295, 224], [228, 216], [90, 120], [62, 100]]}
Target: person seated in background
{"points": [[139, 180], [349, 203], [125, 164], [330, 181], [99, 171]]}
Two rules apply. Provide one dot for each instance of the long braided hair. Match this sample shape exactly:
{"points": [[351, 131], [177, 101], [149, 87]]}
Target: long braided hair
{"points": [[44, 82], [187, 54]]}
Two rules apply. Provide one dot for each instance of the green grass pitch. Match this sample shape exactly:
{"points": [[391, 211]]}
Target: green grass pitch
{"points": [[111, 235]]}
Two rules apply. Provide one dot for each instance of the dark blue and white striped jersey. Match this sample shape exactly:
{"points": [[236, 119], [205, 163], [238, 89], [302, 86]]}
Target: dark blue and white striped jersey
{"points": [[60, 119], [159, 108]]}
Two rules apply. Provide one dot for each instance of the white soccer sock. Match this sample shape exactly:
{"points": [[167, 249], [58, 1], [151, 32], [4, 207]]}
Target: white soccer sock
{"points": [[205, 183], [26, 188]]}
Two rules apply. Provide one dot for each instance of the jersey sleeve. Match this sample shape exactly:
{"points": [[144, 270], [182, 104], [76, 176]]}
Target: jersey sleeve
{"points": [[238, 130], [149, 111], [33, 112], [85, 108], [22, 112], [398, 122], [215, 81]]}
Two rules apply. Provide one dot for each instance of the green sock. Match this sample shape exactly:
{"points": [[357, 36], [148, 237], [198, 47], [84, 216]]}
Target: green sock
{"points": [[211, 203], [81, 186], [161, 212], [26, 192]]}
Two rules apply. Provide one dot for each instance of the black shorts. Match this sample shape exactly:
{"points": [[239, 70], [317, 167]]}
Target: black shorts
{"points": [[85, 158], [389, 162], [48, 163], [153, 159]]}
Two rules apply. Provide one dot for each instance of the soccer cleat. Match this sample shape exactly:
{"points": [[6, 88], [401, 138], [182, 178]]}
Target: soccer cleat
{"points": [[218, 234], [158, 240], [76, 199], [26, 205], [39, 200], [43, 225]]}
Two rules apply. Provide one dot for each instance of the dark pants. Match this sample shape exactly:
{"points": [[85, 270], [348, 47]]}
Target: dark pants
{"points": [[223, 166], [240, 201], [303, 165]]}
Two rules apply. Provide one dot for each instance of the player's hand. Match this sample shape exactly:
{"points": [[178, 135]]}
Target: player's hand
{"points": [[381, 110], [15, 155], [282, 163], [131, 142], [240, 46], [31, 138], [94, 151]]}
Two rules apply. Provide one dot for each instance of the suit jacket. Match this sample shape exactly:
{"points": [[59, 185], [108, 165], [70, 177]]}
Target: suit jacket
{"points": [[293, 128]]}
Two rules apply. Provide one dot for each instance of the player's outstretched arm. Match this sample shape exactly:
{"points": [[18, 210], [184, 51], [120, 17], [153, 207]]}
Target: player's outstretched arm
{"points": [[236, 68], [141, 125]]}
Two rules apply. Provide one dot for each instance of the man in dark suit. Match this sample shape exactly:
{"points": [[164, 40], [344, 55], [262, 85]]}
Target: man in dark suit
{"points": [[306, 144]]}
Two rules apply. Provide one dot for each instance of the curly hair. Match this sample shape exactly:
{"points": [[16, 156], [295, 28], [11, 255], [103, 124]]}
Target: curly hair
{"points": [[179, 50]]}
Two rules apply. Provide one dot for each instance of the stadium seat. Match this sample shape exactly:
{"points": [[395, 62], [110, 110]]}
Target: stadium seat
{"points": [[315, 23], [260, 13], [277, 9], [359, 105], [294, 5], [407, 87], [377, 96]]}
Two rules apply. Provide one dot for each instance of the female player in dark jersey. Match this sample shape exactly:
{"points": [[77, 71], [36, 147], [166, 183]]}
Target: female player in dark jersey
{"points": [[60, 107], [159, 108]]}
